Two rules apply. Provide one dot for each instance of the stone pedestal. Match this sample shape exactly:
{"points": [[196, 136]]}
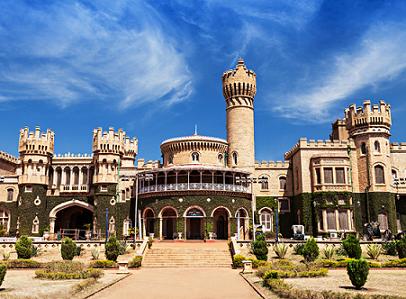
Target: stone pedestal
{"points": [[247, 267]]}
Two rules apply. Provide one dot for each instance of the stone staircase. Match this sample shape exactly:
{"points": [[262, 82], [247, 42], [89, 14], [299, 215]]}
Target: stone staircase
{"points": [[187, 255]]}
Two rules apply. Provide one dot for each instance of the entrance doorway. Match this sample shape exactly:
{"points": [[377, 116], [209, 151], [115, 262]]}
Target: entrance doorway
{"points": [[194, 224], [168, 223], [149, 222], [73, 222], [220, 216]]}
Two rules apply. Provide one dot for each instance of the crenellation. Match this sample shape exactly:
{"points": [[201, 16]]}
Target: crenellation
{"points": [[8, 157]]}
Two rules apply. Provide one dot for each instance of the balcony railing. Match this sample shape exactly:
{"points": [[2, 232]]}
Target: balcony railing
{"points": [[73, 188], [194, 186], [335, 187]]}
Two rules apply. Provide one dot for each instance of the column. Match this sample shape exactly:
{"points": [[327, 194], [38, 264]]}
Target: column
{"points": [[156, 182], [337, 222], [212, 180], [55, 178], [63, 177], [176, 180], [88, 179], [52, 225], [166, 179], [139, 224], [71, 179], [322, 175], [188, 180], [160, 228], [324, 214], [224, 181], [201, 179]]}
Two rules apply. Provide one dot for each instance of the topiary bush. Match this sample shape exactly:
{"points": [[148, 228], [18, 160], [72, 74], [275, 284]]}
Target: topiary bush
{"points": [[3, 270], [298, 249], [357, 271], [390, 248], [237, 260], [310, 251], [401, 247], [68, 249], [103, 264], [352, 247], [113, 249], [260, 248], [24, 247]]}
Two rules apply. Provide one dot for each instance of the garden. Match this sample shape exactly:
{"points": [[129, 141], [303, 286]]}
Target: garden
{"points": [[312, 270]]}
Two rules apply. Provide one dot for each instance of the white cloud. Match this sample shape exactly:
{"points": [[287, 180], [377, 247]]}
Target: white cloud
{"points": [[380, 57], [66, 53]]}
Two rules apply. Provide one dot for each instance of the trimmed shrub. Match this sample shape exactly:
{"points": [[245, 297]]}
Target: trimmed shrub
{"points": [[3, 270], [24, 247], [68, 249], [401, 263], [280, 250], [135, 262], [401, 247], [103, 264], [352, 247], [390, 248], [260, 248], [298, 249], [328, 252], [67, 270], [374, 251], [23, 263], [237, 260], [113, 249], [340, 251], [310, 250], [358, 270]]}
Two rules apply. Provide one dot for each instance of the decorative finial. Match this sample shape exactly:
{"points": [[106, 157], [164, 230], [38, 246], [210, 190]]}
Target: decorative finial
{"points": [[195, 130], [240, 61]]}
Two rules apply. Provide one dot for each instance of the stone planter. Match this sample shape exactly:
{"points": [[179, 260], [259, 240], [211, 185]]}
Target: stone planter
{"points": [[211, 236], [46, 235], [179, 235], [152, 235], [88, 234]]}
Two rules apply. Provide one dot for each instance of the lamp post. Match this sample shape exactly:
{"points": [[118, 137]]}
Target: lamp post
{"points": [[251, 181], [146, 177]]}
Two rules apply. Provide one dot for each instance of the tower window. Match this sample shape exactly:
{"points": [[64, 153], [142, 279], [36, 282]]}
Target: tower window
{"points": [[170, 159], [282, 183], [264, 183], [363, 148], [379, 175], [10, 194], [377, 146], [195, 157], [235, 158], [220, 158]]}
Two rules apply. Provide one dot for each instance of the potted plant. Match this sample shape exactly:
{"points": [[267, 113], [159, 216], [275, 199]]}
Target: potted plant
{"points": [[45, 233], [131, 233], [88, 232]]}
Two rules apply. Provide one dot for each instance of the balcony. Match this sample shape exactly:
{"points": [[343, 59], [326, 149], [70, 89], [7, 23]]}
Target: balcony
{"points": [[193, 187], [73, 188], [332, 187]]}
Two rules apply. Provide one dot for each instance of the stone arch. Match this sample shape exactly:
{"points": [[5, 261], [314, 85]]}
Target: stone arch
{"points": [[144, 214], [69, 204], [194, 207], [244, 209], [221, 207], [166, 208]]}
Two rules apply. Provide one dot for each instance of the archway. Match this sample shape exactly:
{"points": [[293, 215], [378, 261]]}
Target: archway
{"points": [[169, 217], [194, 223], [221, 220], [149, 219]]}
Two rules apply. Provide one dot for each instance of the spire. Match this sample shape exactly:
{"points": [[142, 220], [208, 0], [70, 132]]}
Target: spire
{"points": [[195, 134], [240, 61]]}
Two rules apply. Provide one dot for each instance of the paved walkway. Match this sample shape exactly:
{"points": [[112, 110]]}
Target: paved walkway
{"points": [[181, 283]]}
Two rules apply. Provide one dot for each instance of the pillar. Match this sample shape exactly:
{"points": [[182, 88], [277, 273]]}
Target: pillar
{"points": [[52, 225]]}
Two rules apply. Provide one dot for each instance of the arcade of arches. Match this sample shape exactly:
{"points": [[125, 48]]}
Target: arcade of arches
{"points": [[195, 224]]}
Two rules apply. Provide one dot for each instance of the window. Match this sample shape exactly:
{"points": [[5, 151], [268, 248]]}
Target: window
{"points": [[220, 158], [264, 183], [379, 175], [235, 158], [10, 194], [4, 219], [282, 183], [340, 176], [126, 227], [266, 220], [284, 205], [363, 148], [103, 188], [331, 220], [127, 193], [195, 157], [170, 159], [394, 174], [377, 146], [383, 221], [35, 225], [318, 176], [321, 222], [328, 175], [343, 219], [112, 225], [28, 189]]}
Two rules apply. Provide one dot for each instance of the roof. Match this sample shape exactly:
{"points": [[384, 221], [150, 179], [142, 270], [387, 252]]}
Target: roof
{"points": [[195, 138]]}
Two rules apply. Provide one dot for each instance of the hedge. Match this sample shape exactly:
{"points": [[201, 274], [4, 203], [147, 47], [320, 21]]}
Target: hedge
{"points": [[103, 264]]}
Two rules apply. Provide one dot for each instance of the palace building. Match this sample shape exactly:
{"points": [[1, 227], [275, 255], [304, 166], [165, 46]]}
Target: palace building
{"points": [[207, 187]]}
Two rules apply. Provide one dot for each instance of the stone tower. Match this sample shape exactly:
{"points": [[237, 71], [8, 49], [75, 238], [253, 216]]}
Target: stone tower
{"points": [[369, 127], [112, 150], [36, 150], [239, 88]]}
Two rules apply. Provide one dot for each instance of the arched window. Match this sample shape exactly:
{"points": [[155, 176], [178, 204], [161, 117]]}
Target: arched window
{"points": [[4, 219], [383, 221], [195, 157], [126, 226], [379, 174], [10, 194], [363, 148], [266, 219], [220, 158], [394, 174], [377, 146], [170, 159], [112, 225], [264, 183], [127, 193], [35, 225], [282, 183], [235, 158]]}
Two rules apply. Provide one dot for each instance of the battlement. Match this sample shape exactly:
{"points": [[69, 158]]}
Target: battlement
{"points": [[114, 142], [367, 115], [150, 164], [303, 143], [9, 158], [239, 82], [396, 147], [36, 142], [271, 164], [72, 155]]}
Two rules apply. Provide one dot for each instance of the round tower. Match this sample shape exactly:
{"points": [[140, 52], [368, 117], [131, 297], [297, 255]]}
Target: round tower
{"points": [[36, 150], [239, 88], [369, 127]]}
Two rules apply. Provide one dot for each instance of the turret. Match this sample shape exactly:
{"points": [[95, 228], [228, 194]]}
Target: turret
{"points": [[36, 151], [112, 150], [239, 89]]}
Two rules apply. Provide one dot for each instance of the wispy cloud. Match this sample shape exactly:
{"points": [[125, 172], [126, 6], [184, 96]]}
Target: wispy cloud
{"points": [[379, 57], [121, 52]]}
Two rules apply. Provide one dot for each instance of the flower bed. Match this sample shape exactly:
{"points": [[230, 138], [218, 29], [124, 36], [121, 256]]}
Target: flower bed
{"points": [[67, 270], [22, 264], [103, 264]]}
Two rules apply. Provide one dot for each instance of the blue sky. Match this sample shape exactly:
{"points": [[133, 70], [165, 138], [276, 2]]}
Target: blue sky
{"points": [[154, 68]]}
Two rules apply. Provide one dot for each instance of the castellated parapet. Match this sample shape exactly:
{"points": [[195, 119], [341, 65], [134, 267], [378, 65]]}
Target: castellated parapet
{"points": [[366, 119], [36, 142], [115, 143], [271, 165]]}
